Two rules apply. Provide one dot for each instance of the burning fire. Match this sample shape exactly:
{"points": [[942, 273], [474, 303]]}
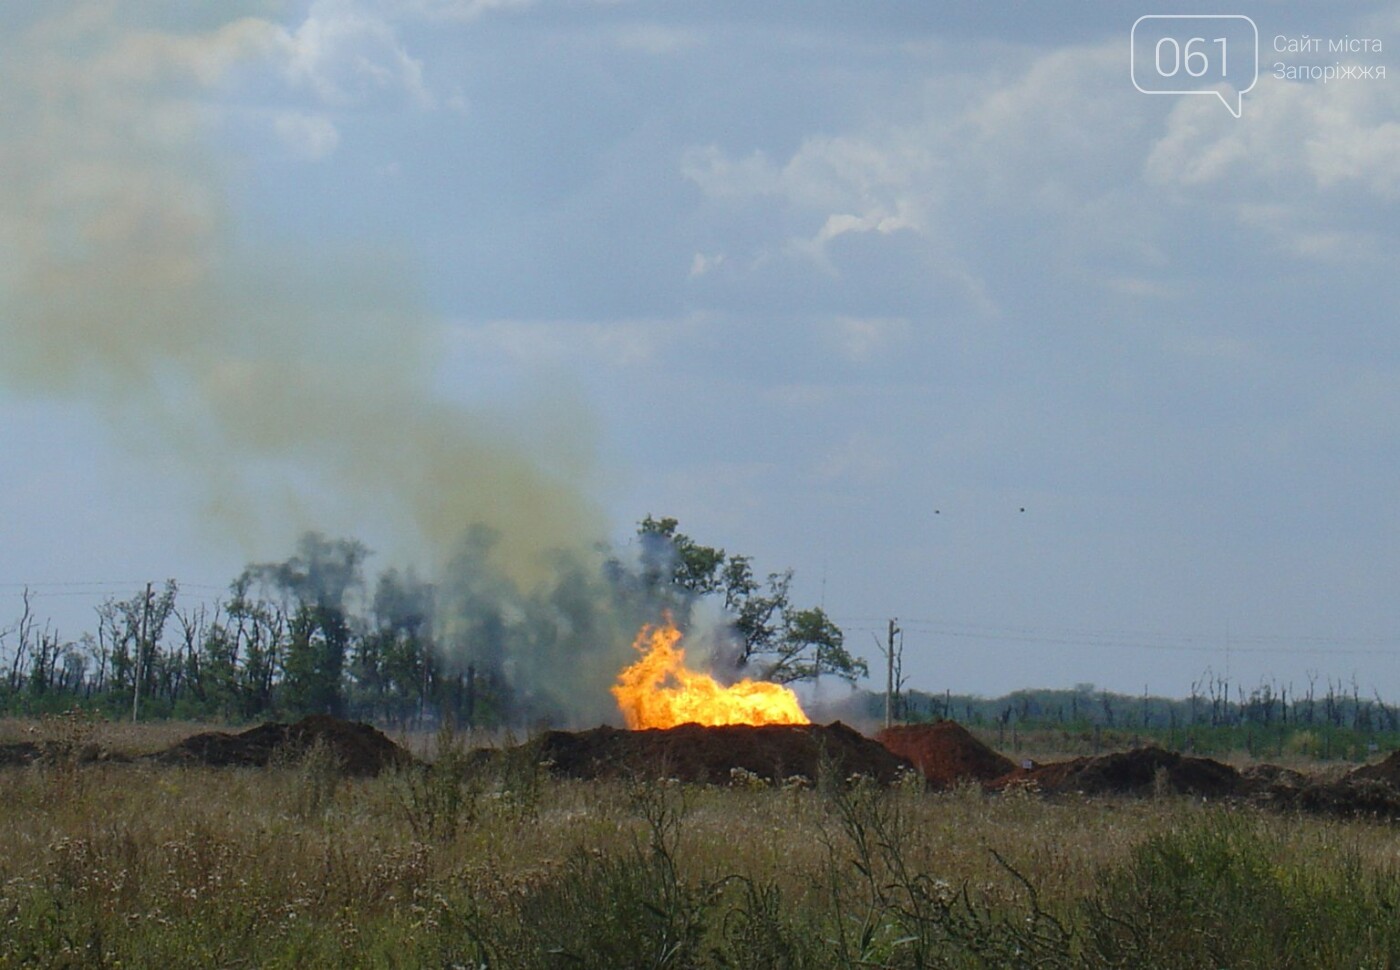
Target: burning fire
{"points": [[658, 691]]}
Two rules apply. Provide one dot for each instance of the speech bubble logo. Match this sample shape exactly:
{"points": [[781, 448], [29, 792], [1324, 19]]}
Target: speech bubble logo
{"points": [[1196, 54]]}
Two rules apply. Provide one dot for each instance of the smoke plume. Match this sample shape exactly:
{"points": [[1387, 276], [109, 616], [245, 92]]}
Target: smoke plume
{"points": [[294, 384]]}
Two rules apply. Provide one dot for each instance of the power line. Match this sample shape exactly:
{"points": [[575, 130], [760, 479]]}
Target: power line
{"points": [[1181, 643]]}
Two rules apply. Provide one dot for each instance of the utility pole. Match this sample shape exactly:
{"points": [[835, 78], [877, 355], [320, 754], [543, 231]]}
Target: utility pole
{"points": [[889, 675], [140, 650]]}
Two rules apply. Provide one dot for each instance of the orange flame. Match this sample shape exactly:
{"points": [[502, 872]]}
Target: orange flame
{"points": [[658, 691]]}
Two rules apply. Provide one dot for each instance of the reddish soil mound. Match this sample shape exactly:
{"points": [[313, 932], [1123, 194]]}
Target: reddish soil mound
{"points": [[945, 752], [360, 749], [1129, 772], [711, 754]]}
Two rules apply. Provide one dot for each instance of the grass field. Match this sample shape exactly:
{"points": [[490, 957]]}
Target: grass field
{"points": [[136, 865]]}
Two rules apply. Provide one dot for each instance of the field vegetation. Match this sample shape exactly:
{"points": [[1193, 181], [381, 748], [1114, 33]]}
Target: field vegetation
{"points": [[460, 865]]}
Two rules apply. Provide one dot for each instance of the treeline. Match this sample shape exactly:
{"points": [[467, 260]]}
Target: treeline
{"points": [[315, 634], [1325, 718]]}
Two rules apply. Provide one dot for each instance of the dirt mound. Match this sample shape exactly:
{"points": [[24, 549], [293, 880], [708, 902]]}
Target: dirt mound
{"points": [[360, 749], [1133, 772], [1371, 791], [716, 755], [1348, 797], [1387, 771], [946, 753]]}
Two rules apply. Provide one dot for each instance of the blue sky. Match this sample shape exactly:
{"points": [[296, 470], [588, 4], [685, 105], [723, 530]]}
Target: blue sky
{"points": [[840, 286]]}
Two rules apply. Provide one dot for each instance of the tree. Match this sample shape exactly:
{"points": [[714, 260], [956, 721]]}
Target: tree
{"points": [[392, 665], [774, 638], [315, 584]]}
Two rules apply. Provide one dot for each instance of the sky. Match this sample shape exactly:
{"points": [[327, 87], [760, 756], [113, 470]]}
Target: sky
{"points": [[927, 302]]}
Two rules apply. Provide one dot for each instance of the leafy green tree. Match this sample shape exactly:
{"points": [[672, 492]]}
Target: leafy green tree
{"points": [[776, 640]]}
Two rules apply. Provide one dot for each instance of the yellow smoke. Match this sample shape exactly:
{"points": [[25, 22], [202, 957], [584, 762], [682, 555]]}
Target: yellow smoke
{"points": [[295, 385]]}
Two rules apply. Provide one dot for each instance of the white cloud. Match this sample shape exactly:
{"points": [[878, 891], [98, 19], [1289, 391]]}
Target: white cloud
{"points": [[344, 54], [308, 136], [844, 222], [1297, 163], [719, 176], [1325, 136], [1050, 138]]}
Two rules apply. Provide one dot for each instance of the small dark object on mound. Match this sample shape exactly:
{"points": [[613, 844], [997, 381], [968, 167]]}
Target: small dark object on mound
{"points": [[712, 755], [1130, 772], [360, 749], [946, 753]]}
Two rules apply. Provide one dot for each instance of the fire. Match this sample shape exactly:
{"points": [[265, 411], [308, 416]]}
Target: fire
{"points": [[658, 691]]}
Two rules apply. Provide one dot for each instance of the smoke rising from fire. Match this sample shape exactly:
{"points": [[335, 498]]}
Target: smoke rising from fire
{"points": [[294, 385]]}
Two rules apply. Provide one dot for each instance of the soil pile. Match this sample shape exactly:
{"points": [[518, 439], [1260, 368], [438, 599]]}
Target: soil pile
{"points": [[1387, 771], [719, 755], [946, 753], [1371, 791], [1348, 797], [1142, 771], [360, 749]]}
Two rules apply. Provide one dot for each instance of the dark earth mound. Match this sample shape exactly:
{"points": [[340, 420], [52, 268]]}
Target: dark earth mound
{"points": [[1371, 791], [360, 749], [717, 755], [1348, 797], [946, 753], [1135, 772], [1387, 771]]}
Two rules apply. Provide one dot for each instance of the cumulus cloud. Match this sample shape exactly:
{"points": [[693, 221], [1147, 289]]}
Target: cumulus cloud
{"points": [[1105, 171], [344, 53], [1296, 167]]}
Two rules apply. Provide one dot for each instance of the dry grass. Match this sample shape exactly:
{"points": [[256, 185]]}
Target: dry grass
{"points": [[295, 866]]}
